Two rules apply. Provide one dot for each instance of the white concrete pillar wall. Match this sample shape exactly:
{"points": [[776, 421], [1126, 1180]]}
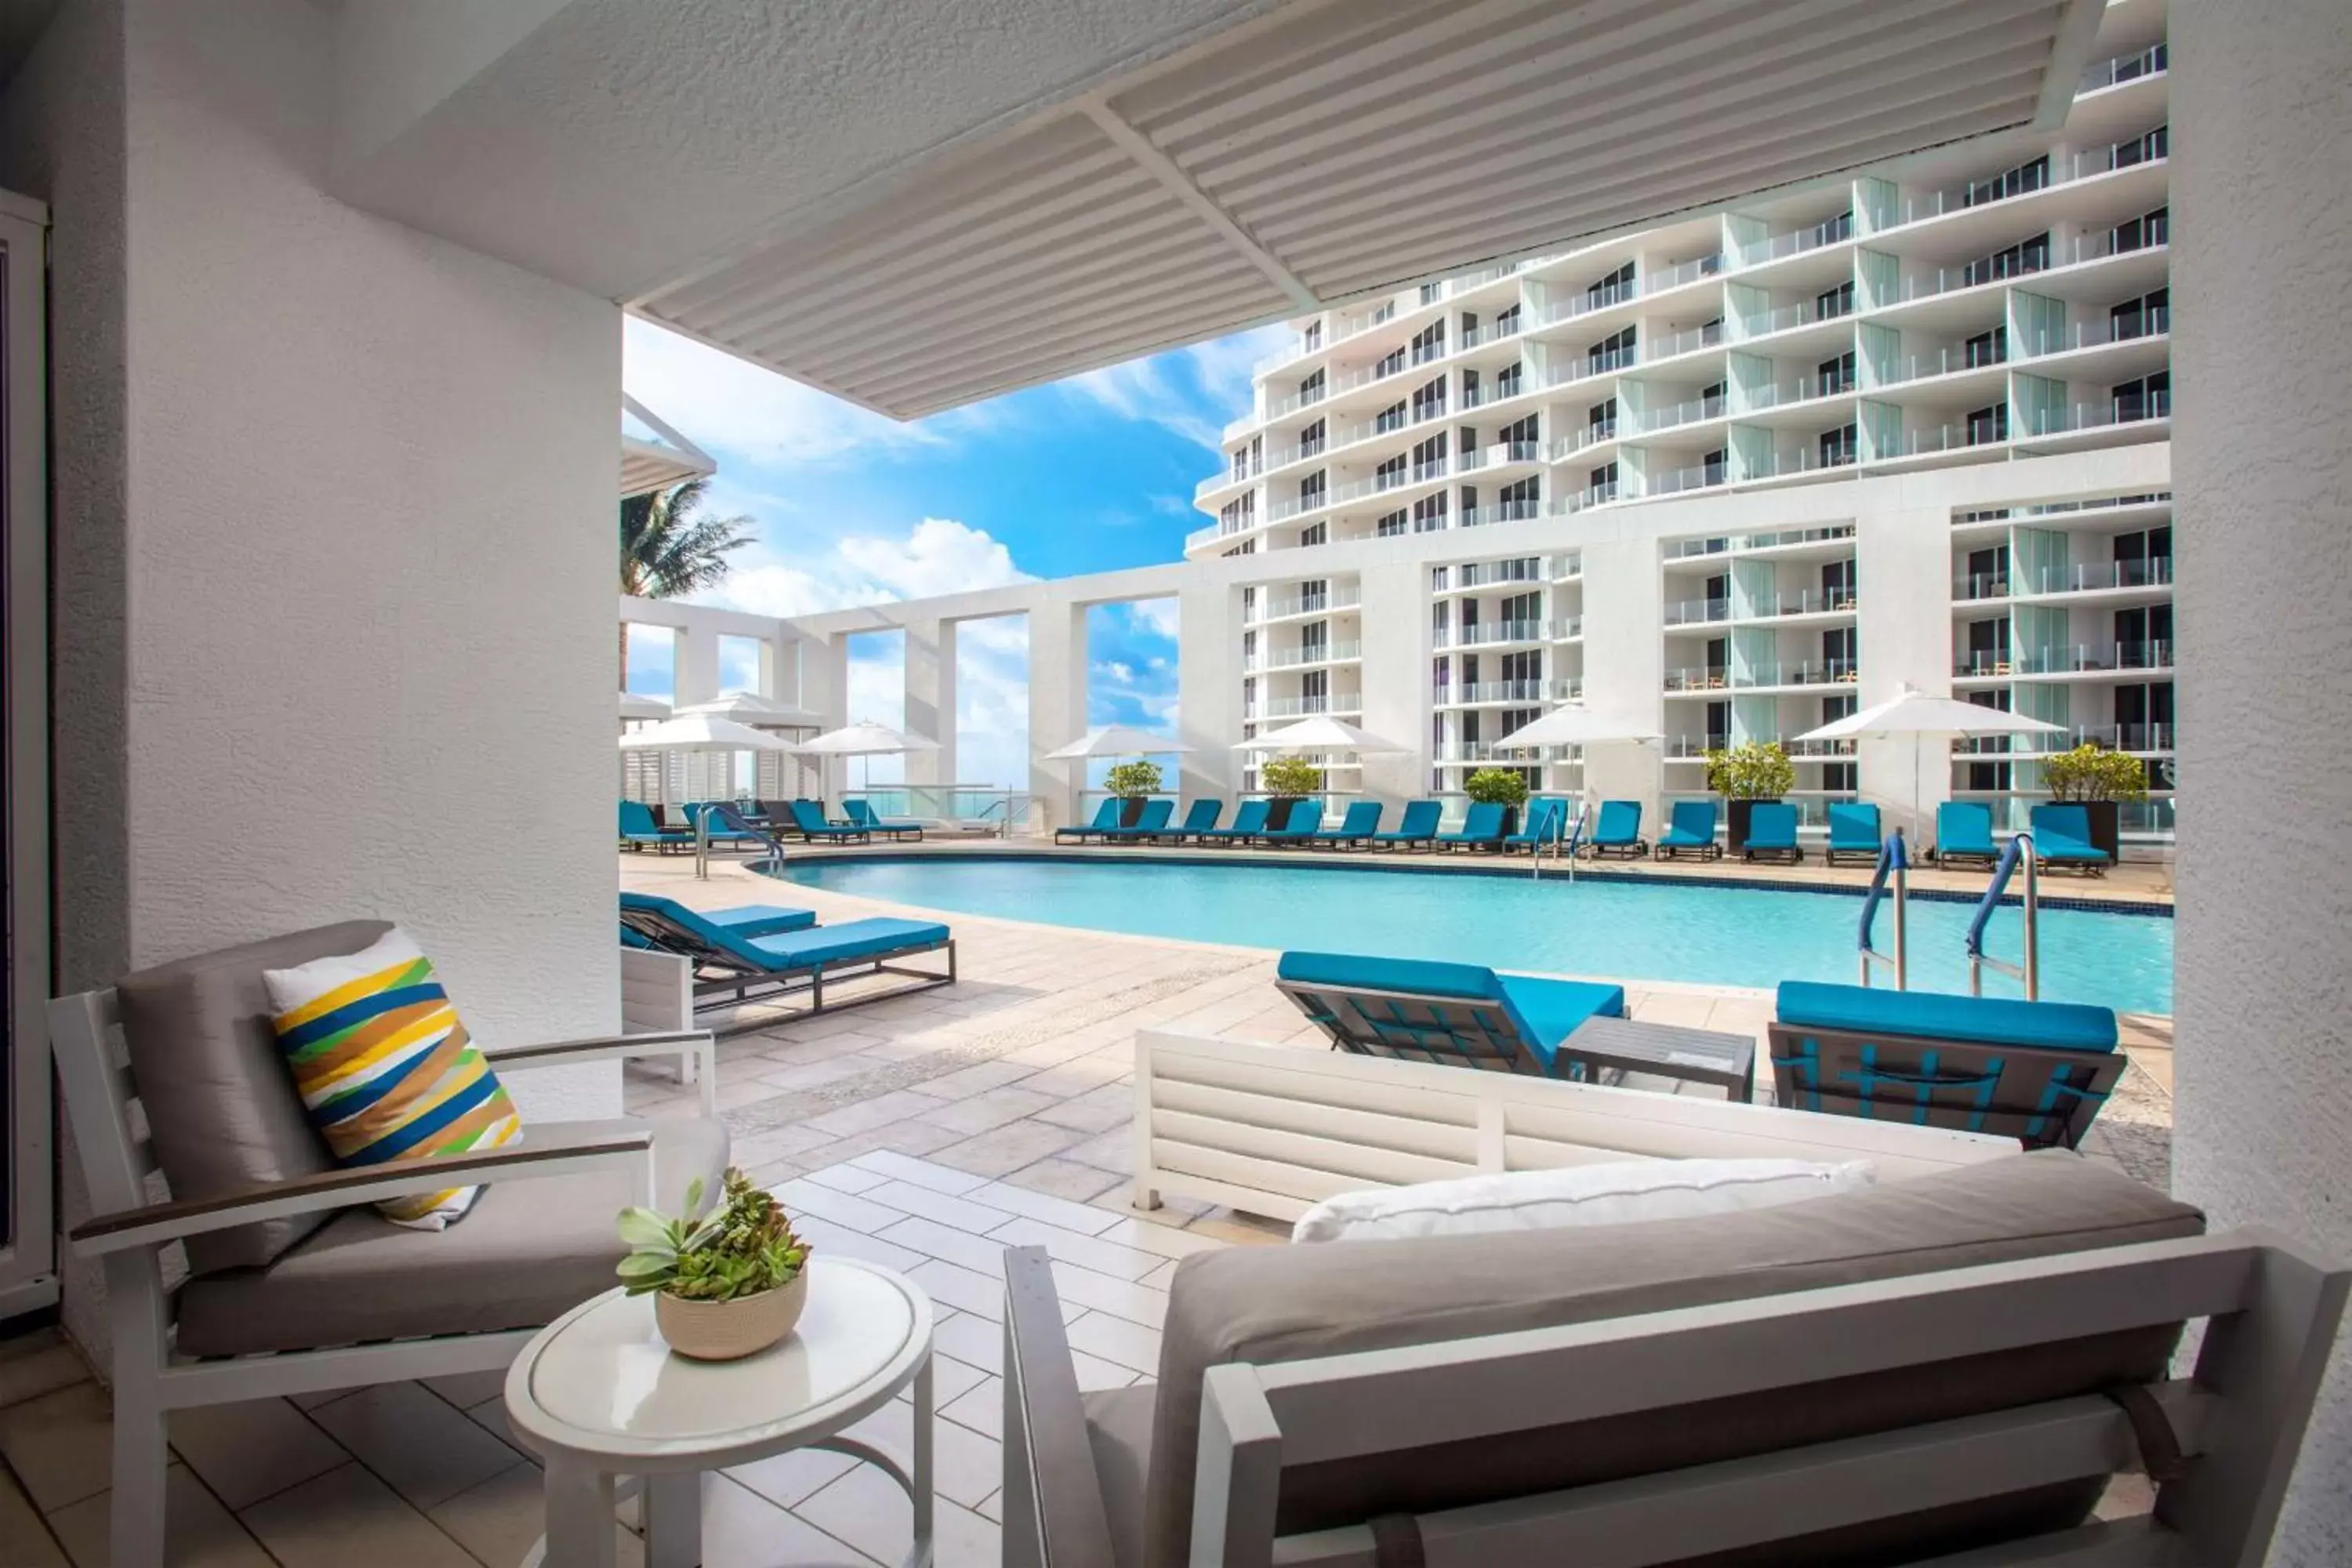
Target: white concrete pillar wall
{"points": [[1208, 688], [824, 692], [1057, 705], [930, 688], [2262, 286], [696, 668], [1625, 667], [1396, 671], [1903, 556]]}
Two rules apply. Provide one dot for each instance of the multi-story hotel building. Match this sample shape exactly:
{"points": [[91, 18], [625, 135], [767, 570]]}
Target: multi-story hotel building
{"points": [[1723, 478], [1856, 350]]}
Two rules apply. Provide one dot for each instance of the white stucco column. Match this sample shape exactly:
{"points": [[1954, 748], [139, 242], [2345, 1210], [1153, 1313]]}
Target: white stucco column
{"points": [[1208, 688], [696, 668], [1625, 669], [1903, 556], [824, 690], [2262, 286], [1396, 678], [930, 684], [1057, 704]]}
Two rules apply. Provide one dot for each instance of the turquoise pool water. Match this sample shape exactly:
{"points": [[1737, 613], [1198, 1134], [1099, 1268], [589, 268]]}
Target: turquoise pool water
{"points": [[1623, 929]]}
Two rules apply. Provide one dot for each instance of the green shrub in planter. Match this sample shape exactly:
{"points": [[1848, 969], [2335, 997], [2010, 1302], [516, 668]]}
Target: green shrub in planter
{"points": [[1132, 781], [1291, 778], [1495, 786], [2091, 773], [1752, 771]]}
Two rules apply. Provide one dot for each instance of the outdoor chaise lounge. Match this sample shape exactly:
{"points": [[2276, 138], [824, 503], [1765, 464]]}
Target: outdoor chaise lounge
{"points": [[1617, 835], [744, 920], [1964, 832], [1417, 830], [1106, 819], [1545, 827], [2062, 836], [640, 831], [721, 824], [1956, 1362], [1854, 833], [1482, 828], [1249, 822], [1772, 833], [2035, 1071], [1361, 821], [1456, 1014], [1199, 818], [1690, 830], [1306, 818], [730, 967], [1150, 822], [861, 813], [808, 821]]}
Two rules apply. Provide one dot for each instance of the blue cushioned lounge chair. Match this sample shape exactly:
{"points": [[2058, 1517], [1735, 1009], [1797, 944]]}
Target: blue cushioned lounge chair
{"points": [[1545, 828], [721, 823], [1964, 832], [1456, 1014], [1482, 828], [733, 967], [862, 814], [1418, 830], [1199, 818], [721, 927], [1106, 819], [1618, 834], [1853, 832], [1306, 819], [1357, 826], [1150, 823], [640, 832], [2062, 836], [808, 821], [1772, 833], [2035, 1071], [1249, 822], [1690, 830]]}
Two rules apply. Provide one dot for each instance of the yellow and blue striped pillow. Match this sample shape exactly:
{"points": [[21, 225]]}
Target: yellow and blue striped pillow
{"points": [[385, 1069]]}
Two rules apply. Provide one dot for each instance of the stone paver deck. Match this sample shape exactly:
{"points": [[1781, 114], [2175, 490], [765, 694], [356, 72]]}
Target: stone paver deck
{"points": [[926, 1133]]}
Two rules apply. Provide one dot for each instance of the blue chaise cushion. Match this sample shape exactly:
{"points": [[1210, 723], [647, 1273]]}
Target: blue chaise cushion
{"points": [[761, 919], [1548, 1011], [1930, 1014], [1545, 1011], [852, 939]]}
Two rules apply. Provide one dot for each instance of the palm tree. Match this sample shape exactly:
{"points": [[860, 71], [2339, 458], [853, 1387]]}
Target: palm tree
{"points": [[666, 549]]}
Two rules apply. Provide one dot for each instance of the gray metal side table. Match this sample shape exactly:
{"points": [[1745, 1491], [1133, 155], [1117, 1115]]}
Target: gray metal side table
{"points": [[1695, 1056]]}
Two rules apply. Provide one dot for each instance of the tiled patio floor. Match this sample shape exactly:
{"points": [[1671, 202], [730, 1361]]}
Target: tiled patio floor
{"points": [[927, 1133]]}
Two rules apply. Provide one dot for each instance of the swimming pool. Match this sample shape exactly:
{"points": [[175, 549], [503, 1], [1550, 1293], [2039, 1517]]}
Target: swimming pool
{"points": [[1623, 929]]}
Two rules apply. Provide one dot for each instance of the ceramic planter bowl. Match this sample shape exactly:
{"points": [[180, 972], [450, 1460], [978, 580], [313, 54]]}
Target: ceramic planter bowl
{"points": [[728, 1331]]}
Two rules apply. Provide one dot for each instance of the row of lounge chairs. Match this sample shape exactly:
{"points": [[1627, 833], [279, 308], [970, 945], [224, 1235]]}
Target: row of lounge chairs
{"points": [[761, 825], [1545, 823], [2062, 836], [767, 952]]}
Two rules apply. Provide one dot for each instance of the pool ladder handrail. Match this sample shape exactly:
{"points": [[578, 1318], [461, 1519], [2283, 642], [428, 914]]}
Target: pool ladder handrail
{"points": [[1894, 867], [2026, 972]]}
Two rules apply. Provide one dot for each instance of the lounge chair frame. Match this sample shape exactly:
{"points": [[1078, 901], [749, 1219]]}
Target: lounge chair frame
{"points": [[1710, 850], [722, 979], [1634, 848], [2272, 1311], [1414, 1026], [895, 832], [2040, 1096], [1984, 858]]}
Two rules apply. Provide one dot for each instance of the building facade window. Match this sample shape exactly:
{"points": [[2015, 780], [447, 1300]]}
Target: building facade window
{"points": [[1836, 303], [1615, 349], [1840, 445], [1608, 290], [2015, 261], [2030, 176]]}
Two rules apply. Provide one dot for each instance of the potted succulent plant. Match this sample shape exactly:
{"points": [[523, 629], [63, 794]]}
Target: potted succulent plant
{"points": [[1133, 783], [1288, 781], [726, 1284], [1743, 774], [1498, 786], [2098, 779]]}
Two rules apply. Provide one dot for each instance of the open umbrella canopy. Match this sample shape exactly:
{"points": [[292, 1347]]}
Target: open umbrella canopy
{"points": [[1578, 726], [1321, 735], [635, 707], [1914, 712], [864, 740], [761, 712], [700, 732], [1118, 741]]}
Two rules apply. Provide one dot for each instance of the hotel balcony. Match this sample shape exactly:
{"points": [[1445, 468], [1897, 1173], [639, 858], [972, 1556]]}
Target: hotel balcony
{"points": [[1333, 702], [1764, 678], [1339, 597], [1485, 693], [1974, 196], [2143, 740], [1303, 657], [1490, 633]]}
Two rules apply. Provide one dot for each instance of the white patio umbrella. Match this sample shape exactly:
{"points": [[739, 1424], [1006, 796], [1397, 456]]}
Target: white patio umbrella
{"points": [[635, 707], [1117, 741], [1577, 727], [865, 739], [700, 732], [760, 712], [1321, 733], [1922, 717]]}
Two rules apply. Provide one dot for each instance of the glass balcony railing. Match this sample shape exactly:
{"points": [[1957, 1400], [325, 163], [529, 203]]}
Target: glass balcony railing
{"points": [[1836, 231], [1697, 612], [2088, 163], [2094, 576], [2091, 658], [1652, 420], [2147, 407], [1487, 632], [1344, 597], [2147, 62], [2139, 738]]}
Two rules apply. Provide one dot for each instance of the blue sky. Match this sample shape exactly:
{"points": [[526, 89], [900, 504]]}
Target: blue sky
{"points": [[1087, 475]]}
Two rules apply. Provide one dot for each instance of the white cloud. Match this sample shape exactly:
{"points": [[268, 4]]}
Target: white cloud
{"points": [[1193, 392], [1155, 615], [939, 556], [1222, 365]]}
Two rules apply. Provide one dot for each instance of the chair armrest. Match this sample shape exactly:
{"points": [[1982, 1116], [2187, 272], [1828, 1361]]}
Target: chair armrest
{"points": [[695, 1049], [1053, 1504], [551, 1154]]}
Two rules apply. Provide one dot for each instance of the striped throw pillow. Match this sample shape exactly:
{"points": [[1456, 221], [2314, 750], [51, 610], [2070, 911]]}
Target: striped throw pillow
{"points": [[385, 1069]]}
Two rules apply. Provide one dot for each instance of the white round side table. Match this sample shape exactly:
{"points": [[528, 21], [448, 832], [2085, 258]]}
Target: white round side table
{"points": [[597, 1396]]}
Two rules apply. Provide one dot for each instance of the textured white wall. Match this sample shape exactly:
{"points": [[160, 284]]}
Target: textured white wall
{"points": [[2263, 290]]}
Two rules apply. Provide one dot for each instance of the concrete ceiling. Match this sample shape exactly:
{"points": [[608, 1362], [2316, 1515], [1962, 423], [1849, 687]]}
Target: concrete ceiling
{"points": [[22, 22], [921, 203]]}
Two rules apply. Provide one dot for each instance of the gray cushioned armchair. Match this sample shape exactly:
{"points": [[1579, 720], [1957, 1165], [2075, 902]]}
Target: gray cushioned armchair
{"points": [[294, 1283]]}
